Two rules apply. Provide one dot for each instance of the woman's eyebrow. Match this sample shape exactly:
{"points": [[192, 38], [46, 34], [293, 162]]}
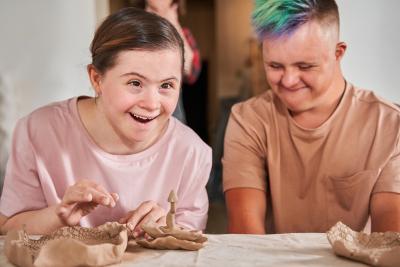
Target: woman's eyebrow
{"points": [[133, 73], [143, 77], [170, 78]]}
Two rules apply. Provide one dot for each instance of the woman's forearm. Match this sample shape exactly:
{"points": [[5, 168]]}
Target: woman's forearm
{"points": [[37, 222]]}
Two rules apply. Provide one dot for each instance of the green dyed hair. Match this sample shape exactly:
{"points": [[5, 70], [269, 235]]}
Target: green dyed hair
{"points": [[281, 18]]}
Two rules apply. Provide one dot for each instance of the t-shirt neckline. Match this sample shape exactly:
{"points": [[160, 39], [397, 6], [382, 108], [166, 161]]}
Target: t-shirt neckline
{"points": [[73, 108], [326, 126]]}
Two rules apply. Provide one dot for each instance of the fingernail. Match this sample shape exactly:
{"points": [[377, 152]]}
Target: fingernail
{"points": [[130, 226], [112, 204], [104, 200], [135, 234]]}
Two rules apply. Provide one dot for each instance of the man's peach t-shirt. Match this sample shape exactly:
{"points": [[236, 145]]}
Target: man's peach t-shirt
{"points": [[314, 177], [52, 150]]}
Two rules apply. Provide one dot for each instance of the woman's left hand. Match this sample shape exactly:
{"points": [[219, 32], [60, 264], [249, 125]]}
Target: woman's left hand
{"points": [[147, 211]]}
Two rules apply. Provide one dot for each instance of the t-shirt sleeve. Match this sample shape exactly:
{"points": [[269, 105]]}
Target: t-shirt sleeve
{"points": [[244, 151], [22, 189], [389, 178], [192, 210]]}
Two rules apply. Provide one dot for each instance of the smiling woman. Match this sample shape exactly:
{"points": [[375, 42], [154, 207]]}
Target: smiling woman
{"points": [[115, 157]]}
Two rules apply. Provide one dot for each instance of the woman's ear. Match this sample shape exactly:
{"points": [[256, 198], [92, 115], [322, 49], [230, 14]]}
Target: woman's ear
{"points": [[94, 78]]}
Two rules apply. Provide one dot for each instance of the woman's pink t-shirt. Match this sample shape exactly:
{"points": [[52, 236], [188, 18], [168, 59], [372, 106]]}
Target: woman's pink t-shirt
{"points": [[51, 150]]}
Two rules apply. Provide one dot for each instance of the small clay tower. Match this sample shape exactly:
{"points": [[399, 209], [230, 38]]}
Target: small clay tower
{"points": [[173, 198]]}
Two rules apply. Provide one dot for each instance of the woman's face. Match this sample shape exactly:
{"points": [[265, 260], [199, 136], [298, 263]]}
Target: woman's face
{"points": [[140, 93]]}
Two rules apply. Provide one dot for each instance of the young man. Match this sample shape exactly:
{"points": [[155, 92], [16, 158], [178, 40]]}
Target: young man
{"points": [[315, 149]]}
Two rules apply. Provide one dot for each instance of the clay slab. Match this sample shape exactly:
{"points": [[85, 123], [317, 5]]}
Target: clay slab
{"points": [[376, 249], [69, 246]]}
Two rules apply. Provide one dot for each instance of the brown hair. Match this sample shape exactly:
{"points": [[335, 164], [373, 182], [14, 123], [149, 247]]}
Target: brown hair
{"points": [[132, 29]]}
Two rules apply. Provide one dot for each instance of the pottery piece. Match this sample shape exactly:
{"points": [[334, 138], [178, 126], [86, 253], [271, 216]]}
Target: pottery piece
{"points": [[376, 249], [172, 236], [69, 246]]}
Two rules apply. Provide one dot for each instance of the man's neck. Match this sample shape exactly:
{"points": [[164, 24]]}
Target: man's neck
{"points": [[315, 117]]}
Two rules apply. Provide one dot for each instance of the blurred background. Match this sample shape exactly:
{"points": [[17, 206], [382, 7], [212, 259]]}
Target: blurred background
{"points": [[44, 50]]}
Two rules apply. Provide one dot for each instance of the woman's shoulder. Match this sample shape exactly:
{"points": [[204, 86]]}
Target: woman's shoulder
{"points": [[48, 120], [183, 137], [50, 112]]}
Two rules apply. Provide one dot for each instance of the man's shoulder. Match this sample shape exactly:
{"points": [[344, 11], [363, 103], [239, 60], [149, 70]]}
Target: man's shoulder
{"points": [[256, 104], [367, 99]]}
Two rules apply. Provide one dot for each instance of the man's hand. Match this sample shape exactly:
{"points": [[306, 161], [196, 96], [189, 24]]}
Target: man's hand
{"points": [[246, 210], [147, 211], [81, 199], [385, 212]]}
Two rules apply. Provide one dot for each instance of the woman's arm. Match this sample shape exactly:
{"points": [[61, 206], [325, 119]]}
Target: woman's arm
{"points": [[79, 200], [37, 222]]}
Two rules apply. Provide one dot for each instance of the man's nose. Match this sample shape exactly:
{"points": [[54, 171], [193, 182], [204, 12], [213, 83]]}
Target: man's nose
{"points": [[290, 78], [151, 100]]}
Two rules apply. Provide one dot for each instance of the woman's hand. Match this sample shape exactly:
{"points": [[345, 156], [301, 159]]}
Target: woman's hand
{"points": [[147, 211], [81, 199]]}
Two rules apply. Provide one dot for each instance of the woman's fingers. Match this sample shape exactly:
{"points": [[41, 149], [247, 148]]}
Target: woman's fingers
{"points": [[88, 191], [126, 217], [145, 212]]}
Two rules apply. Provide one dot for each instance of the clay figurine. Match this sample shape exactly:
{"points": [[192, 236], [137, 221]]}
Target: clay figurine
{"points": [[376, 249], [171, 236]]}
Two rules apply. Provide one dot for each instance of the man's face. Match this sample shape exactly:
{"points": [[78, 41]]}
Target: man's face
{"points": [[301, 69]]}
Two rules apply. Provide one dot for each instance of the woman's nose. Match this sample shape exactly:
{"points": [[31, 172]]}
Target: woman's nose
{"points": [[151, 100]]}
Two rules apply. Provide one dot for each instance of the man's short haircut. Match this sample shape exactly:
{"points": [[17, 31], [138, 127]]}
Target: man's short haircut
{"points": [[281, 18]]}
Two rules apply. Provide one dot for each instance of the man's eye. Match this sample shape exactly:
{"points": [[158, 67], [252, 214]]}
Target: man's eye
{"points": [[166, 86], [305, 67], [135, 83], [274, 66]]}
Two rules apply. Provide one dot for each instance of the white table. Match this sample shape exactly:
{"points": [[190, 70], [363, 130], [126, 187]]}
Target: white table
{"points": [[237, 250]]}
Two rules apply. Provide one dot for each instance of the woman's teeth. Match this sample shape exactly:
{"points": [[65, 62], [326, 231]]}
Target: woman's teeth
{"points": [[142, 119]]}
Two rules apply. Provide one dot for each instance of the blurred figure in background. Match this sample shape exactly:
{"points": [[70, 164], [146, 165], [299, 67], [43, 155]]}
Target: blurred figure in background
{"points": [[171, 10]]}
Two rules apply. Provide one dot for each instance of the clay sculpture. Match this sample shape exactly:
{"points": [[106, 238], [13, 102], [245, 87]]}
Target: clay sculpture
{"points": [[376, 249], [171, 236], [69, 246]]}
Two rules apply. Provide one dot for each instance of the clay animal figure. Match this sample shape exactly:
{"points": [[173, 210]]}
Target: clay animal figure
{"points": [[171, 236]]}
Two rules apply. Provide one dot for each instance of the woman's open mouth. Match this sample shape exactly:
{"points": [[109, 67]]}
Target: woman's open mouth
{"points": [[142, 119]]}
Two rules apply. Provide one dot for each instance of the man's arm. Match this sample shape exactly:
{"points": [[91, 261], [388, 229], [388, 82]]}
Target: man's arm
{"points": [[385, 212], [246, 210]]}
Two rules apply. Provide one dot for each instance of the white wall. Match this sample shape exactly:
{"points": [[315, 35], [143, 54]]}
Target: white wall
{"points": [[44, 50], [371, 30]]}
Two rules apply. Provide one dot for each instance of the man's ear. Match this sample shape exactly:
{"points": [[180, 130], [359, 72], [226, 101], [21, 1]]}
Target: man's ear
{"points": [[94, 78], [340, 50]]}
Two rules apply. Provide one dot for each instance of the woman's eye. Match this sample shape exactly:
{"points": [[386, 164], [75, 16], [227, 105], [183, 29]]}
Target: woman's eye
{"points": [[135, 83], [166, 86]]}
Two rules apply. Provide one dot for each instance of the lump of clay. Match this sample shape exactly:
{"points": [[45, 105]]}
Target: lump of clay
{"points": [[376, 249], [172, 236], [69, 246]]}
